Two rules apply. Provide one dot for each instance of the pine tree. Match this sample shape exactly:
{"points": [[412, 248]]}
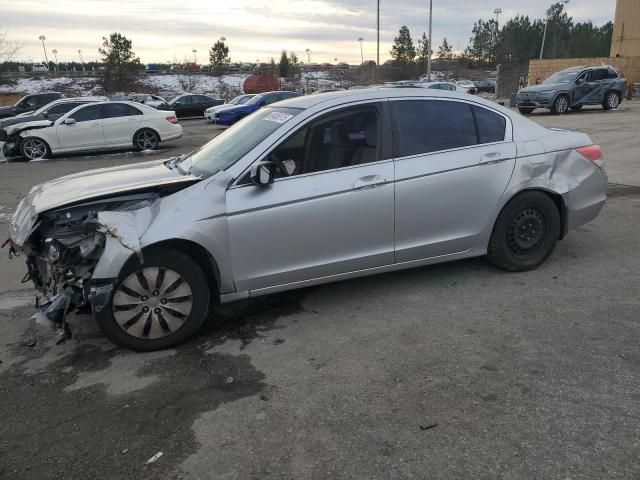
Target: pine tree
{"points": [[403, 51], [219, 56], [445, 51], [285, 65], [121, 66]]}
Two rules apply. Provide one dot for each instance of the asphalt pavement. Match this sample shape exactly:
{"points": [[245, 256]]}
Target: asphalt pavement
{"points": [[452, 371]]}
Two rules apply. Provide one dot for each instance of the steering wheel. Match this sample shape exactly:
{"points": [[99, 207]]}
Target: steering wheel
{"points": [[275, 159]]}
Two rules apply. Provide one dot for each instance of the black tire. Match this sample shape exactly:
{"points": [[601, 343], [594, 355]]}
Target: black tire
{"points": [[611, 100], [525, 110], [560, 105], [525, 232], [34, 148], [171, 262], [577, 108], [146, 139]]}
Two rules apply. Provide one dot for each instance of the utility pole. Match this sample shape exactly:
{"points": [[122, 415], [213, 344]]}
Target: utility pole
{"points": [[497, 11], [42, 38], [360, 39], [378, 29], [546, 24], [55, 54], [81, 60], [430, 47]]}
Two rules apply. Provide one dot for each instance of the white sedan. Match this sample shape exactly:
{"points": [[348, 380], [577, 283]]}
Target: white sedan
{"points": [[100, 126], [452, 87]]}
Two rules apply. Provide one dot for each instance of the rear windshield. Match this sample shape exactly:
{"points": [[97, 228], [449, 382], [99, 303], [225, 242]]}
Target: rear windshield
{"points": [[235, 142]]}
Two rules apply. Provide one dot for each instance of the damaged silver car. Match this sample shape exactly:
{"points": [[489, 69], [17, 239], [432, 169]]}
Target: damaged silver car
{"points": [[307, 191]]}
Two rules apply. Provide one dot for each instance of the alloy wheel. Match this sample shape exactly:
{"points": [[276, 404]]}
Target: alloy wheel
{"points": [[152, 303], [613, 100], [526, 232], [34, 149], [562, 105], [146, 140]]}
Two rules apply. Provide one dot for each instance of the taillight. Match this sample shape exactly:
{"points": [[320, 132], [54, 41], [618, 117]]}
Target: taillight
{"points": [[593, 153], [172, 119]]}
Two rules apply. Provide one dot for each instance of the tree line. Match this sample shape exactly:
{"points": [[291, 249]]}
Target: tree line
{"points": [[518, 40]]}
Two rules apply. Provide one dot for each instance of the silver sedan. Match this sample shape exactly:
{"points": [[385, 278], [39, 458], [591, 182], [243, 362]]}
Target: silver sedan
{"points": [[302, 192]]}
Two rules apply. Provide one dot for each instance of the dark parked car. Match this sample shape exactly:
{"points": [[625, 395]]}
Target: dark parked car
{"points": [[487, 85], [29, 103], [190, 105], [573, 88], [230, 115]]}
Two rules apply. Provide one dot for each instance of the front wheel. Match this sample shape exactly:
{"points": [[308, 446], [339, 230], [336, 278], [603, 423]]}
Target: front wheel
{"points": [[525, 232], [146, 140], [560, 105], [33, 148], [156, 304]]}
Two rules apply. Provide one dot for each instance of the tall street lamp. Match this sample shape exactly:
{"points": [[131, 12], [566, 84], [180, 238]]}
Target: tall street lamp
{"points": [[308, 50], [195, 59], [497, 11], [546, 24], [55, 54], [42, 38], [360, 39], [378, 42], [81, 60], [429, 49]]}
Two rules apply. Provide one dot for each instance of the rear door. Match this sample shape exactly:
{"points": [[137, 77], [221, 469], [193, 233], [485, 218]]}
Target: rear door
{"points": [[453, 163], [589, 86], [86, 132], [120, 123]]}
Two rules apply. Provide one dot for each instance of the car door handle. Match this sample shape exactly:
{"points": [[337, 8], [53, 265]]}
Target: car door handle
{"points": [[491, 157], [370, 181]]}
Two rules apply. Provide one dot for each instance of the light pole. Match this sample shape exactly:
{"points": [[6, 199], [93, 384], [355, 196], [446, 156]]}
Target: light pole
{"points": [[308, 50], [42, 38], [81, 60], [55, 54], [378, 42], [360, 39], [429, 48], [497, 11], [195, 59], [546, 24]]}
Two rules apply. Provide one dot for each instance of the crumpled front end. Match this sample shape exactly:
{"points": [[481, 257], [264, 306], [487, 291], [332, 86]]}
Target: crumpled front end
{"points": [[62, 248]]}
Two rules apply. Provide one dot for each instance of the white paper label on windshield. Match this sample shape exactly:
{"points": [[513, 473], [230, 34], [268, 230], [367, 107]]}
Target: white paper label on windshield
{"points": [[278, 117]]}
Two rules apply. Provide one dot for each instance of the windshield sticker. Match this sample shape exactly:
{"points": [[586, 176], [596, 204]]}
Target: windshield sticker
{"points": [[278, 117]]}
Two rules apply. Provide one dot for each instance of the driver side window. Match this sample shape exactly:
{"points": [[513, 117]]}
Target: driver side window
{"points": [[338, 140]]}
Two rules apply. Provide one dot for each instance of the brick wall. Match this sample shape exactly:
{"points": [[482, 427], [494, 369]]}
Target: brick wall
{"points": [[630, 66]]}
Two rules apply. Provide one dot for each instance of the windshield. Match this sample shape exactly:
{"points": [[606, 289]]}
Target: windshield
{"points": [[235, 142], [244, 99], [41, 110], [561, 77], [254, 100]]}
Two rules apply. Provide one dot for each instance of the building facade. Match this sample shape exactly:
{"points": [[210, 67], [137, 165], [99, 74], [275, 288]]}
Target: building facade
{"points": [[626, 29]]}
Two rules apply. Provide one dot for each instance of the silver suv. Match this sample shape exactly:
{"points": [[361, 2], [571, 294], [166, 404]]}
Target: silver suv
{"points": [[302, 192], [573, 88]]}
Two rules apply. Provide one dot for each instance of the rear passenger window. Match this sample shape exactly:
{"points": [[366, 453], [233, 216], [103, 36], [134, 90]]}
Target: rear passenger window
{"points": [[434, 125], [612, 73], [490, 125], [599, 74]]}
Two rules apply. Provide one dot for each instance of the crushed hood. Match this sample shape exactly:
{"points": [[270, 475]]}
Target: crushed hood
{"points": [[89, 185]]}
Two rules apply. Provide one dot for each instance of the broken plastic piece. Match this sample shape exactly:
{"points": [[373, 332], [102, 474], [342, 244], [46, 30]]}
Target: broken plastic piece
{"points": [[154, 458]]}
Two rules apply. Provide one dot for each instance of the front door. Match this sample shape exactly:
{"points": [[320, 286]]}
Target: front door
{"points": [[86, 132], [586, 88], [329, 212], [453, 164]]}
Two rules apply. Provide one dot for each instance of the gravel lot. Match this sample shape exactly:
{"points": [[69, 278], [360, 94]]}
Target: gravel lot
{"points": [[452, 371]]}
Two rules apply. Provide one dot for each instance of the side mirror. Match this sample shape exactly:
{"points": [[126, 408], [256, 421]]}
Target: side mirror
{"points": [[263, 173], [69, 121], [45, 114]]}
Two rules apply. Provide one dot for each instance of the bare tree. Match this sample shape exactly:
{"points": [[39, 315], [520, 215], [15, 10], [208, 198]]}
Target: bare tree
{"points": [[7, 48], [189, 81]]}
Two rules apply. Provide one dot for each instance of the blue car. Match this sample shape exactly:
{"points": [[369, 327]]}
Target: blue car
{"points": [[230, 115]]}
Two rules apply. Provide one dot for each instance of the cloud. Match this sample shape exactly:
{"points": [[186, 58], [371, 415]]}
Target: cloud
{"points": [[163, 30]]}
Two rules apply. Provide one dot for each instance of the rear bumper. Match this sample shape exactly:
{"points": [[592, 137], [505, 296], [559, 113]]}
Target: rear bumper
{"points": [[584, 202]]}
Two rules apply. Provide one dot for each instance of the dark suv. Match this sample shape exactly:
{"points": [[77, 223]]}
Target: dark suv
{"points": [[29, 103], [573, 88]]}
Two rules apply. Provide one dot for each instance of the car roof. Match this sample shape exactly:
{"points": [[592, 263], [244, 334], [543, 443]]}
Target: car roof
{"points": [[381, 93]]}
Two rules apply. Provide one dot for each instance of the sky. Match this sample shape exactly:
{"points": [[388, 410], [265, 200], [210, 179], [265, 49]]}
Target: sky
{"points": [[169, 30]]}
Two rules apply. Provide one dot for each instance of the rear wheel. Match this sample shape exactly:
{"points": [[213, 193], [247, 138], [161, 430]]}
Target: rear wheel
{"points": [[525, 110], [146, 140], [560, 105], [611, 100], [525, 232], [157, 304], [33, 148]]}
